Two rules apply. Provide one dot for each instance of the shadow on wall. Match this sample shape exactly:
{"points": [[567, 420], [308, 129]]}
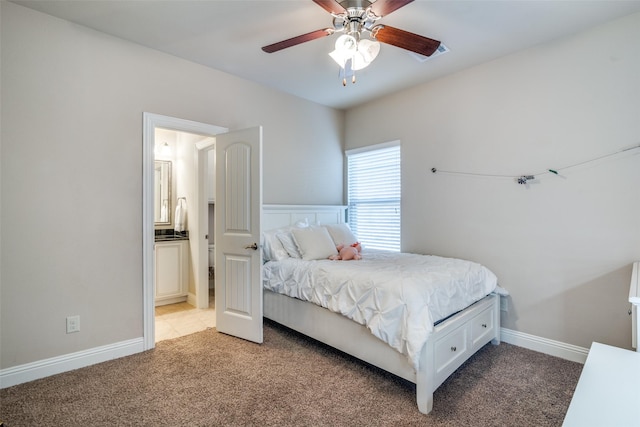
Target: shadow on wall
{"points": [[606, 299], [596, 309]]}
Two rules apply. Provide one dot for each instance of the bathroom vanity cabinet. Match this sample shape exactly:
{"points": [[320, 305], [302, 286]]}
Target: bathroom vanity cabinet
{"points": [[171, 271]]}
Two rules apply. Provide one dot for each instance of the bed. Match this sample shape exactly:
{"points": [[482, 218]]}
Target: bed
{"points": [[394, 332]]}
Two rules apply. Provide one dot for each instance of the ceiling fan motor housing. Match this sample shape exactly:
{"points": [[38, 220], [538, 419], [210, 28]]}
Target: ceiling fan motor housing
{"points": [[355, 4], [356, 18]]}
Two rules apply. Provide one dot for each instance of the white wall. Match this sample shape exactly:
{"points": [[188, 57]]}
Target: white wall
{"points": [[563, 247], [71, 172]]}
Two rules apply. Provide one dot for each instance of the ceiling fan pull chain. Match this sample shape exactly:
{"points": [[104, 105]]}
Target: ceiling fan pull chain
{"points": [[349, 68]]}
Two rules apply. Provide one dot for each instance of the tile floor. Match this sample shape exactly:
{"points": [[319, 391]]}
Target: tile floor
{"points": [[176, 320]]}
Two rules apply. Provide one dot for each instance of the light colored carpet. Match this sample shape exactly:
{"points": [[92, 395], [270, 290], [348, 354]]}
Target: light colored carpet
{"points": [[211, 379]]}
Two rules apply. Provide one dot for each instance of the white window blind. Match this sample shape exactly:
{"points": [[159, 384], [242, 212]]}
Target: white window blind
{"points": [[373, 177]]}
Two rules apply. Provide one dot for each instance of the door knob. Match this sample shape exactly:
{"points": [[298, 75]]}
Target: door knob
{"points": [[253, 246]]}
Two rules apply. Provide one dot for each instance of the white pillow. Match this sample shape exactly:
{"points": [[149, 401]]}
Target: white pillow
{"points": [[288, 243], [341, 234], [314, 243], [272, 249]]}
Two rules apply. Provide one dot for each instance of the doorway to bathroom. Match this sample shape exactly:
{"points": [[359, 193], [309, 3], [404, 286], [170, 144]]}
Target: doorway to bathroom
{"points": [[177, 228], [177, 309]]}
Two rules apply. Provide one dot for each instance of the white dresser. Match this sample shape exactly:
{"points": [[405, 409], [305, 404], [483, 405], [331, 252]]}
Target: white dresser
{"points": [[608, 392]]}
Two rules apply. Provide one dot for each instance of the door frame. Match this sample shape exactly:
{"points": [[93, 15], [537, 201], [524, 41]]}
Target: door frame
{"points": [[202, 149], [152, 121]]}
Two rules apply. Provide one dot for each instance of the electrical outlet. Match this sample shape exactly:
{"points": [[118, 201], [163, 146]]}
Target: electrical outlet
{"points": [[73, 324], [504, 304]]}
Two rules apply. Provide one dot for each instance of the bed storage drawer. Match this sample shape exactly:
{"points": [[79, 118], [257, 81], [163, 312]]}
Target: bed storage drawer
{"points": [[455, 346], [482, 327], [450, 351]]}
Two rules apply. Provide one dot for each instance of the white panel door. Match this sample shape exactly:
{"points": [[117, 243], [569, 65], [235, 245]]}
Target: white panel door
{"points": [[238, 287]]}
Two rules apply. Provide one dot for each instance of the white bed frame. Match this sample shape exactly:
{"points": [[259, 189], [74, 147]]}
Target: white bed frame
{"points": [[452, 342]]}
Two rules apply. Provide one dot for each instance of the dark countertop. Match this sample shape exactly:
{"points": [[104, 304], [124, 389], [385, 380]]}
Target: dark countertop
{"points": [[170, 236]]}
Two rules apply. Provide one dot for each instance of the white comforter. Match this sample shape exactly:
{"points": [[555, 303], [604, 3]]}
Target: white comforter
{"points": [[398, 296]]}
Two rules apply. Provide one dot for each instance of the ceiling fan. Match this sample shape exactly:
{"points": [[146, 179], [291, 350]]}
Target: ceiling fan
{"points": [[355, 18]]}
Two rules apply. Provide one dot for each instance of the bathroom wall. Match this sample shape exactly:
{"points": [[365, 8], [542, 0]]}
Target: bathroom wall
{"points": [[211, 237], [211, 223], [211, 176]]}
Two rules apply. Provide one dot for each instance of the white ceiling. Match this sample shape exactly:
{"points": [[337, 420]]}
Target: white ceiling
{"points": [[228, 35]]}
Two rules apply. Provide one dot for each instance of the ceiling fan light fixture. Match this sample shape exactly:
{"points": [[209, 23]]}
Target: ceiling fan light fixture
{"points": [[353, 54], [367, 51], [345, 49]]}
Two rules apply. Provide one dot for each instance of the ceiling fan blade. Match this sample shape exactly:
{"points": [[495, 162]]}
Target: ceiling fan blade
{"points": [[404, 39], [330, 6], [385, 7], [298, 40]]}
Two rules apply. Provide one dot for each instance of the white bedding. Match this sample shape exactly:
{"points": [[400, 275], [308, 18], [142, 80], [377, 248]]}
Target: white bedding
{"points": [[398, 296]]}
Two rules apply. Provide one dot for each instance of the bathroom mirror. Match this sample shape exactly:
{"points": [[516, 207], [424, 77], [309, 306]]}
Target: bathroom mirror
{"points": [[162, 193]]}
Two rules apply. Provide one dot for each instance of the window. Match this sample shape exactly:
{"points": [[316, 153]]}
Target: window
{"points": [[373, 191]]}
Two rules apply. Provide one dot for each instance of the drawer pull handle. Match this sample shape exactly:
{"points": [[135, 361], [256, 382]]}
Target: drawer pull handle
{"points": [[484, 325], [453, 348]]}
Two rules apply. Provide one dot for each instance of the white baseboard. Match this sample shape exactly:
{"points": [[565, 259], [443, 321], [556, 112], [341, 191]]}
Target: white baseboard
{"points": [[544, 345], [68, 362], [191, 299], [55, 365]]}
